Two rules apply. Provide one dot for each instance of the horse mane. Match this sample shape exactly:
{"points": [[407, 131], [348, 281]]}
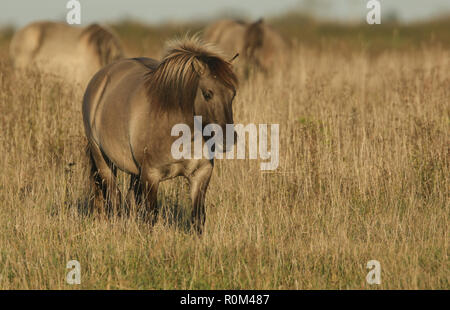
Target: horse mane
{"points": [[175, 81], [106, 45]]}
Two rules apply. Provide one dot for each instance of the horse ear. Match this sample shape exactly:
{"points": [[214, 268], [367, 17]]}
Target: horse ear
{"points": [[199, 67], [234, 57]]}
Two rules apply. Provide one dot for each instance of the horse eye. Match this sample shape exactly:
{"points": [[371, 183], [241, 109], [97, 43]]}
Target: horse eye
{"points": [[207, 94]]}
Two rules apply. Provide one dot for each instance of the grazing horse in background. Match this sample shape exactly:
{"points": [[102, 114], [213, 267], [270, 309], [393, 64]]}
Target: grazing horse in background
{"points": [[129, 109], [72, 53], [259, 45]]}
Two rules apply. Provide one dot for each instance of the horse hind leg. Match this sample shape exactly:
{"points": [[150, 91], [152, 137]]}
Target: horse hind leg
{"points": [[96, 185], [103, 176], [146, 193], [134, 195]]}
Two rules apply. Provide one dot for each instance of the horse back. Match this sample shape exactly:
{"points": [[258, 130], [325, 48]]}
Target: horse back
{"points": [[150, 63]]}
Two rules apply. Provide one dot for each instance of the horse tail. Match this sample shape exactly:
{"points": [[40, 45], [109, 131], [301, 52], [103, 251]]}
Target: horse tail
{"points": [[106, 45]]}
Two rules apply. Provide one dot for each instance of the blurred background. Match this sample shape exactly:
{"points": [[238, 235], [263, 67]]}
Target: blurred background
{"points": [[21, 12], [145, 25], [364, 166]]}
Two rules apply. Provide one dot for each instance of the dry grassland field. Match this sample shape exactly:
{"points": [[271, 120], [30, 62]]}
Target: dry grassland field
{"points": [[363, 174]]}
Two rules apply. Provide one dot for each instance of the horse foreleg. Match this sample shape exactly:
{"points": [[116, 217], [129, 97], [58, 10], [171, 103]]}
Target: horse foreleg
{"points": [[199, 182]]}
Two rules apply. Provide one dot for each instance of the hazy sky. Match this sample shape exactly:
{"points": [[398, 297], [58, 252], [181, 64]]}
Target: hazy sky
{"points": [[20, 12]]}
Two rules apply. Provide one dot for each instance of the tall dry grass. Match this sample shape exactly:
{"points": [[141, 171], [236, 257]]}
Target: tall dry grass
{"points": [[363, 174]]}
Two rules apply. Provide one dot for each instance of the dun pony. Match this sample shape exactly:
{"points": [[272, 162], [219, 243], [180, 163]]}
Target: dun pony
{"points": [[258, 44], [74, 54], [129, 110]]}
